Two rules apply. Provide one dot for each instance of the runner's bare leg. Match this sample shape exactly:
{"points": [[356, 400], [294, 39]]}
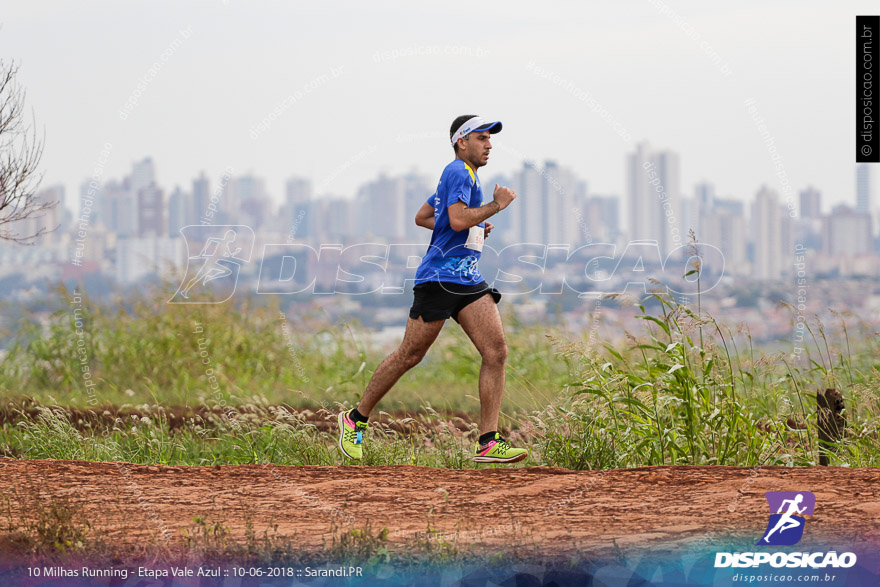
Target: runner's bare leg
{"points": [[481, 321], [417, 339]]}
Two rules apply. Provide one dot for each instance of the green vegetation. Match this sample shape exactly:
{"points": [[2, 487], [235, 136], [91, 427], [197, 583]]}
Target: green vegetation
{"points": [[150, 352], [44, 528], [685, 390], [684, 394]]}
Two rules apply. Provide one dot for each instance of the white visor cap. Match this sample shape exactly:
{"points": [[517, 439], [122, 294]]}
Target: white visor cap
{"points": [[475, 124]]}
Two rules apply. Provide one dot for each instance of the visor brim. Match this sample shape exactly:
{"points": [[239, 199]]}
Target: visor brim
{"points": [[492, 127]]}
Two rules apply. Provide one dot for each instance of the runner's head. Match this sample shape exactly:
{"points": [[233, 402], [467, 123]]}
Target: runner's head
{"points": [[469, 135]]}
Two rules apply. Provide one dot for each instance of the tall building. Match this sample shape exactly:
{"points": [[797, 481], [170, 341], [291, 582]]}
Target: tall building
{"points": [[382, 207], [151, 211], [298, 190], [863, 188], [530, 200], [339, 218], [653, 194], [690, 219], [727, 231], [120, 206], [180, 210], [735, 207], [47, 221], [704, 192], [296, 214], [201, 199], [811, 203], [417, 189], [771, 235], [507, 222], [559, 194], [602, 219], [847, 232], [703, 205], [245, 201], [143, 173], [94, 193]]}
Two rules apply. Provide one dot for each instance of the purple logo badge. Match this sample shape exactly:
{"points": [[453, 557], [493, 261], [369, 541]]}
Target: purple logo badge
{"points": [[789, 511]]}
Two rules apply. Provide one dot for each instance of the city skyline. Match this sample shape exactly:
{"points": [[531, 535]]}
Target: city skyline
{"points": [[137, 224], [806, 199], [864, 197], [307, 93]]}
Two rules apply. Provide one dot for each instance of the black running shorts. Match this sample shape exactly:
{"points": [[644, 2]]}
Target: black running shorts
{"points": [[435, 300]]}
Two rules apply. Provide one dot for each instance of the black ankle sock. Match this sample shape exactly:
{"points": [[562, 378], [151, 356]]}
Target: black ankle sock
{"points": [[484, 438], [357, 416]]}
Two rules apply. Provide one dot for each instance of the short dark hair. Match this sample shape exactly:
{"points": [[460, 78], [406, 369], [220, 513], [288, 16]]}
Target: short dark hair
{"points": [[456, 124]]}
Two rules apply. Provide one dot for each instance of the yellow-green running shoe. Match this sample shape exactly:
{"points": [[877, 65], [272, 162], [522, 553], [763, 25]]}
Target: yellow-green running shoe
{"points": [[351, 436], [499, 450]]}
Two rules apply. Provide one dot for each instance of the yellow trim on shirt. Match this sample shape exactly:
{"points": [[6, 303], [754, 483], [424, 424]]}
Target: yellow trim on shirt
{"points": [[470, 171]]}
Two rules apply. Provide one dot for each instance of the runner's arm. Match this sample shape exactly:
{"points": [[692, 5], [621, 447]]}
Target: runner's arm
{"points": [[425, 216], [462, 218]]}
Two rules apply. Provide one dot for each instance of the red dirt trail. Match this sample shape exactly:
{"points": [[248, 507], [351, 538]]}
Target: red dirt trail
{"points": [[550, 510]]}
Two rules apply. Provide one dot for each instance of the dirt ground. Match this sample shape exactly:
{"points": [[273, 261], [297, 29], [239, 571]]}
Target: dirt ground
{"points": [[550, 511]]}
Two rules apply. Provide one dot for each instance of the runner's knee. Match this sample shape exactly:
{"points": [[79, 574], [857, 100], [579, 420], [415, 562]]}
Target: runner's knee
{"points": [[412, 357], [495, 354]]}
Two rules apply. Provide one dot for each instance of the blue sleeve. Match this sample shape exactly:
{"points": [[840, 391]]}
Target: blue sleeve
{"points": [[458, 188]]}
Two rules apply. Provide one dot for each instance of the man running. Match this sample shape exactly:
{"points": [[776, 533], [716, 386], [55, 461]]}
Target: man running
{"points": [[448, 284], [787, 521]]}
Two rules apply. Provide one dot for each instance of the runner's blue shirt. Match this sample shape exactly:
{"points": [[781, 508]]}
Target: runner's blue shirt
{"points": [[447, 258]]}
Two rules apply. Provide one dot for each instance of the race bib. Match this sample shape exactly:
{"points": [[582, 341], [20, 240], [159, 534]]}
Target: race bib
{"points": [[475, 238]]}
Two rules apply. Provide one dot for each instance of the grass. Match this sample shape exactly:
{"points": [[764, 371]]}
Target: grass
{"points": [[54, 532], [682, 393], [265, 435], [685, 390], [43, 527], [147, 351]]}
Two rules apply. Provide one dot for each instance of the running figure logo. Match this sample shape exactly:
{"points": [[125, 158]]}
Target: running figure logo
{"points": [[786, 525], [221, 252]]}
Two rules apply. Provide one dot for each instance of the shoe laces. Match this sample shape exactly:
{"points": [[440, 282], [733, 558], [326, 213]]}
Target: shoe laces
{"points": [[356, 435], [501, 445]]}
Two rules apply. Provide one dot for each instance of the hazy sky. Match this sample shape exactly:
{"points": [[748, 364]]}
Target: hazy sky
{"points": [[405, 70]]}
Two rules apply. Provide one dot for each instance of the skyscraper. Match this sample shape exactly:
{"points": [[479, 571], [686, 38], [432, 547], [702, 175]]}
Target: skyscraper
{"points": [[46, 221], [863, 188], [531, 196], [704, 202], [727, 231], [201, 198], [507, 222], [296, 213], [705, 195], [120, 206], [382, 207], [151, 211], [245, 201], [771, 234], [653, 193], [811, 203], [143, 173], [847, 232], [180, 210], [558, 195], [601, 219]]}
